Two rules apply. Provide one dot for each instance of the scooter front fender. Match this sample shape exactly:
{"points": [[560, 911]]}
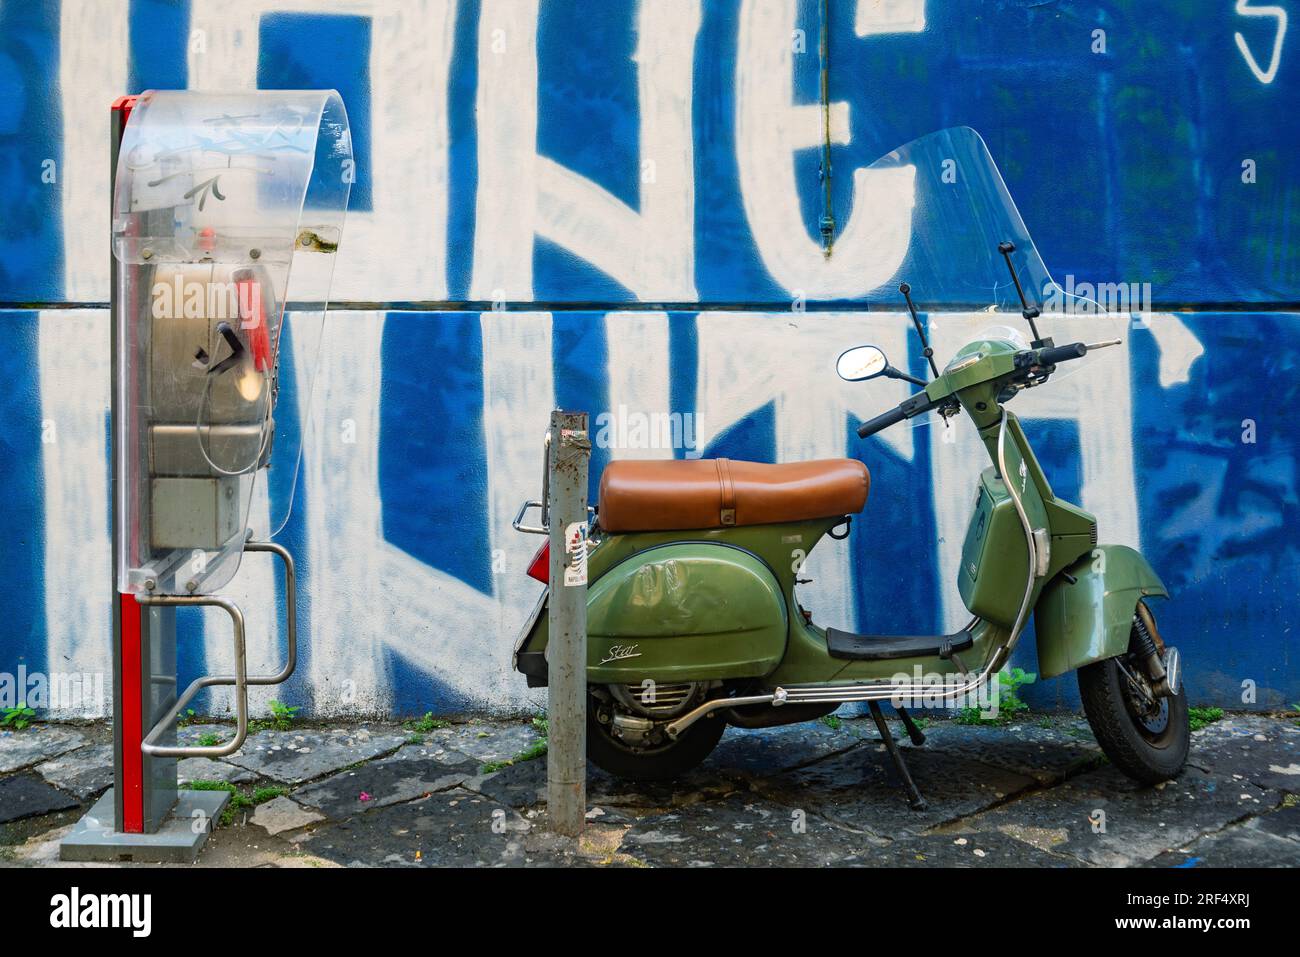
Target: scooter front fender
{"points": [[1089, 619]]}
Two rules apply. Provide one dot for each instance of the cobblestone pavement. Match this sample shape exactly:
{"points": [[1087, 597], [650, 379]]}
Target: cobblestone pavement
{"points": [[1037, 793]]}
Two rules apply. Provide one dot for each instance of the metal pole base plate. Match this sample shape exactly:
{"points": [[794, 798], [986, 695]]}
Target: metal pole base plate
{"points": [[178, 841]]}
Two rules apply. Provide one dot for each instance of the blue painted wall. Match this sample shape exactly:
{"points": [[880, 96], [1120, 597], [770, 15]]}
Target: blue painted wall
{"points": [[509, 153]]}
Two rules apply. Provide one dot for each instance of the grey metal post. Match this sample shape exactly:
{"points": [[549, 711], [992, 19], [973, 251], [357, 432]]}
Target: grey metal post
{"points": [[568, 455]]}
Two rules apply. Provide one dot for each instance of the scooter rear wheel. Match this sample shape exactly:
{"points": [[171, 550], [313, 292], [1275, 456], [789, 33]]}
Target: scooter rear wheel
{"points": [[1148, 744], [656, 763]]}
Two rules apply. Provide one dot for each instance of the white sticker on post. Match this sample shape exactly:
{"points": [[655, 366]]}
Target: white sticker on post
{"points": [[575, 543]]}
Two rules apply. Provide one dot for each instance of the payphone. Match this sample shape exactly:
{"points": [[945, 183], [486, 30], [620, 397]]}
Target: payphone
{"points": [[227, 214]]}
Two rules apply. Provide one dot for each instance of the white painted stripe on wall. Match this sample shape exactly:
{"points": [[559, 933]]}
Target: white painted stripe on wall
{"points": [[518, 396], [398, 249], [770, 129], [72, 350], [93, 50], [522, 195], [637, 344]]}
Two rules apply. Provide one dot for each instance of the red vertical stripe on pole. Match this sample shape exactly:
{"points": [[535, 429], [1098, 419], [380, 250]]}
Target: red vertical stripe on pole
{"points": [[129, 708], [131, 711]]}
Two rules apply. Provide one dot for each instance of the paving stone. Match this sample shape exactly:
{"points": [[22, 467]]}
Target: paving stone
{"points": [[292, 757], [741, 830], [487, 742], [189, 770], [859, 789], [282, 814], [701, 784], [1248, 845], [1045, 753], [959, 849], [1284, 822], [520, 785], [191, 734], [1140, 822], [763, 750], [597, 847], [27, 795], [410, 773], [455, 828], [40, 742], [1253, 748], [86, 772], [523, 785], [998, 789]]}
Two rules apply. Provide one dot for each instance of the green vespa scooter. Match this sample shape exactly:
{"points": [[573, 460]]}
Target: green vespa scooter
{"points": [[692, 617]]}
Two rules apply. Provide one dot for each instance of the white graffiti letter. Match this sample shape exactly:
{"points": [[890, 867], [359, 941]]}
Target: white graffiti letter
{"points": [[522, 195], [1244, 9], [770, 128]]}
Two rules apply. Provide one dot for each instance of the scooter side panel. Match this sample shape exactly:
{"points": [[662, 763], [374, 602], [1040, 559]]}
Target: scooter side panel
{"points": [[1078, 624], [779, 550], [685, 612]]}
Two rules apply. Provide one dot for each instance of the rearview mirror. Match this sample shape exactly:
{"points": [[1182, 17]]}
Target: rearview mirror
{"points": [[861, 363]]}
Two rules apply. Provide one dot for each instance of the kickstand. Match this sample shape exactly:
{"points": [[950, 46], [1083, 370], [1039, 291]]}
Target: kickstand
{"points": [[914, 799], [913, 731]]}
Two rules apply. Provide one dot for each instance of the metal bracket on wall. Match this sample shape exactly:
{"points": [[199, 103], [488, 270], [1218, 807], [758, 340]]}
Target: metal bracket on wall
{"points": [[240, 679]]}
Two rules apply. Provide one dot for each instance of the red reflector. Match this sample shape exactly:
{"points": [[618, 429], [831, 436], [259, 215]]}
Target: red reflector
{"points": [[540, 566]]}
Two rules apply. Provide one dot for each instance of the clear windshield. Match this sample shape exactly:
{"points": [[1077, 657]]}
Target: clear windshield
{"points": [[944, 243]]}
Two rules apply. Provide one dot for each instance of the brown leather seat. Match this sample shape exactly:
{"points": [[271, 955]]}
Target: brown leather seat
{"points": [[664, 495]]}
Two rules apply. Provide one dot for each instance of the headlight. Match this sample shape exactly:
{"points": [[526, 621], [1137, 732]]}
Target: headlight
{"points": [[960, 364]]}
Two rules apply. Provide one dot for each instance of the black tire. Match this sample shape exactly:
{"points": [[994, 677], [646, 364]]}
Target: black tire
{"points": [[652, 764], [1145, 755]]}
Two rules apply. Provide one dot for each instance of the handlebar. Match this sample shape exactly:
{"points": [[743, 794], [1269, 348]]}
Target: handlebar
{"points": [[882, 421], [921, 402], [915, 405], [1053, 356]]}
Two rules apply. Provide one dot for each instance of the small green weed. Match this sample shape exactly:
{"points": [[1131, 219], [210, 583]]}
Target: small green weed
{"points": [[283, 715], [239, 800], [18, 718], [427, 723], [1010, 704], [1203, 717], [534, 750]]}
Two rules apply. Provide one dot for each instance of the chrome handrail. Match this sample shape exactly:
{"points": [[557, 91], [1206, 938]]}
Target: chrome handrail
{"points": [[240, 679], [150, 743]]}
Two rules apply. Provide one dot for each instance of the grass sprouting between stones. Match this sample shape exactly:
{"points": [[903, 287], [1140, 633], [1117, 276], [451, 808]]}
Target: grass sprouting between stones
{"points": [[534, 750], [239, 800]]}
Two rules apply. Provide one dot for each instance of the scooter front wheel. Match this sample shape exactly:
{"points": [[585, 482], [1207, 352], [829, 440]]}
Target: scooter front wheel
{"points": [[1146, 737], [669, 758]]}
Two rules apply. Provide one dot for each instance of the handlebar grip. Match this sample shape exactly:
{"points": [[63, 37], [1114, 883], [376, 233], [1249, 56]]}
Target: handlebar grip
{"points": [[882, 421], [1054, 356]]}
